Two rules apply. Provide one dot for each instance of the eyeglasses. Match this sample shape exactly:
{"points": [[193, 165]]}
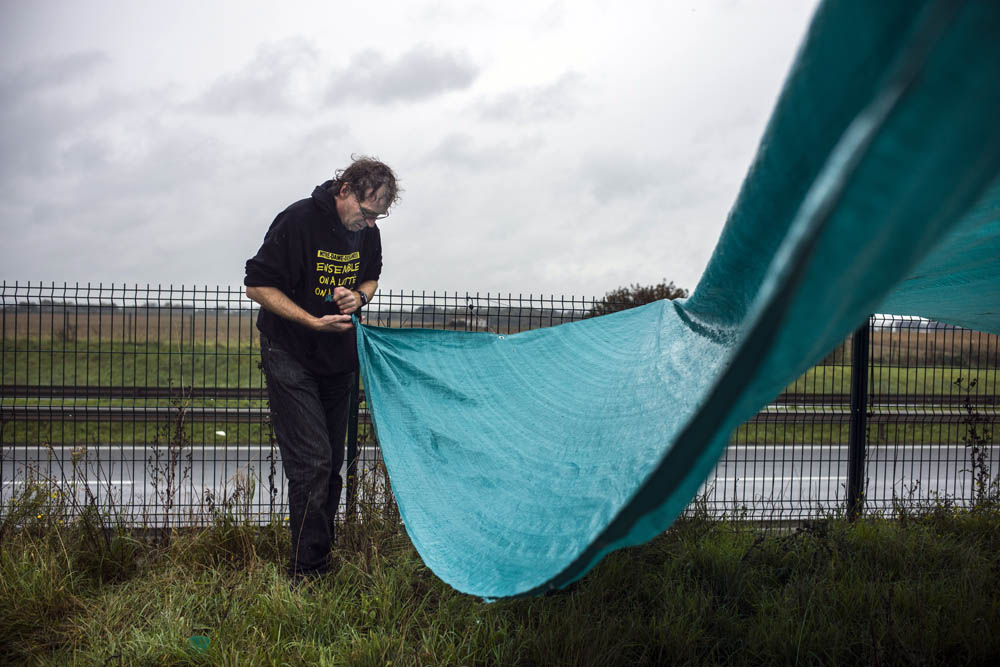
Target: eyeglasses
{"points": [[372, 215]]}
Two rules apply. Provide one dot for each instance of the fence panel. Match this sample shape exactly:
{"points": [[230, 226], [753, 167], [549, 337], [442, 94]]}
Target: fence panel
{"points": [[149, 402], [146, 400], [933, 406]]}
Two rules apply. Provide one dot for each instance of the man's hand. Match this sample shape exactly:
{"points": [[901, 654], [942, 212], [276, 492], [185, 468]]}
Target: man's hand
{"points": [[278, 303], [333, 323], [347, 300]]}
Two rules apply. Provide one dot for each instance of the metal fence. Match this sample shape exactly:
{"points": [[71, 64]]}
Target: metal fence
{"points": [[149, 403]]}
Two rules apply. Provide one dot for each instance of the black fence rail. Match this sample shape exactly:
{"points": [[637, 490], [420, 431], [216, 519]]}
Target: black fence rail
{"points": [[149, 402]]}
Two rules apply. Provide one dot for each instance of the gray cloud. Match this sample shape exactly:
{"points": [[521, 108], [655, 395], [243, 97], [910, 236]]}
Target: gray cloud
{"points": [[550, 18], [84, 154], [46, 109], [420, 73], [266, 85], [280, 76], [610, 176], [557, 99], [22, 84], [56, 135], [460, 150], [35, 112], [451, 13]]}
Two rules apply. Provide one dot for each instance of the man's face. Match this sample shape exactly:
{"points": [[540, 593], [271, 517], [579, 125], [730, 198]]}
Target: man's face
{"points": [[357, 214]]}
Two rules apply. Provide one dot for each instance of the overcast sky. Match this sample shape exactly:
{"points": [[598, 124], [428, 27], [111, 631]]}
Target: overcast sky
{"points": [[562, 147]]}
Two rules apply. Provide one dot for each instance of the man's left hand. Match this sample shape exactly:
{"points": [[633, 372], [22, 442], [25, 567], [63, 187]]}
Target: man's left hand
{"points": [[347, 300]]}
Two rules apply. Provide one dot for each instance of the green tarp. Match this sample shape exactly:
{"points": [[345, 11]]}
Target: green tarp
{"points": [[519, 461]]}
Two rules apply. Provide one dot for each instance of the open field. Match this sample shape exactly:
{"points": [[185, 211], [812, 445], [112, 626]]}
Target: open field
{"points": [[33, 361], [117, 364], [925, 347], [186, 325], [171, 327]]}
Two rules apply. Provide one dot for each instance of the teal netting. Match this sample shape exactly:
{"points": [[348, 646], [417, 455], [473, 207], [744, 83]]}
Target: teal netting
{"points": [[519, 461]]}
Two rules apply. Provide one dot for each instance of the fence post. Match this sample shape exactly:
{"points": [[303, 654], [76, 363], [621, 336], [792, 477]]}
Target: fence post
{"points": [[352, 450], [857, 440]]}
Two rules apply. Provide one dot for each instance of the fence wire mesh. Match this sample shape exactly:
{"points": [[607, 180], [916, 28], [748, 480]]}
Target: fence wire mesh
{"points": [[149, 402]]}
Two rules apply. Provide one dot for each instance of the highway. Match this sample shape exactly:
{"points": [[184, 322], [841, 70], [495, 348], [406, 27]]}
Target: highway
{"points": [[133, 480], [759, 481]]}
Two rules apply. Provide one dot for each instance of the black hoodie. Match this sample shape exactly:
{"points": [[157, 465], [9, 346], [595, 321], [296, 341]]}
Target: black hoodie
{"points": [[306, 253]]}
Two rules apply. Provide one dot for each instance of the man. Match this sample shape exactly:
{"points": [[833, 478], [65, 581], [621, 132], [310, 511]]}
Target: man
{"points": [[319, 264]]}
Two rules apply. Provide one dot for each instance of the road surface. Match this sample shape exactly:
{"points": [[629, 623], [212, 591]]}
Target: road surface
{"points": [[764, 481]]}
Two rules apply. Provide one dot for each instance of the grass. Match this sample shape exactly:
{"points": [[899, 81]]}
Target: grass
{"points": [[182, 363], [34, 361], [40, 361], [763, 435], [938, 380], [921, 588], [890, 435]]}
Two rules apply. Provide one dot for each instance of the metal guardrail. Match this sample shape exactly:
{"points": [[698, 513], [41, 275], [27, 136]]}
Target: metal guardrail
{"points": [[133, 392], [836, 407], [134, 413], [260, 394], [115, 413]]}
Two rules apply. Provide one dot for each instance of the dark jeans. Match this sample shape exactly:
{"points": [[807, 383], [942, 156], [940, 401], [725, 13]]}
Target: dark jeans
{"points": [[309, 414]]}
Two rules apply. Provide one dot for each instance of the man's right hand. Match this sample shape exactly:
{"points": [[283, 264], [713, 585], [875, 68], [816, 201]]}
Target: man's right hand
{"points": [[333, 323]]}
